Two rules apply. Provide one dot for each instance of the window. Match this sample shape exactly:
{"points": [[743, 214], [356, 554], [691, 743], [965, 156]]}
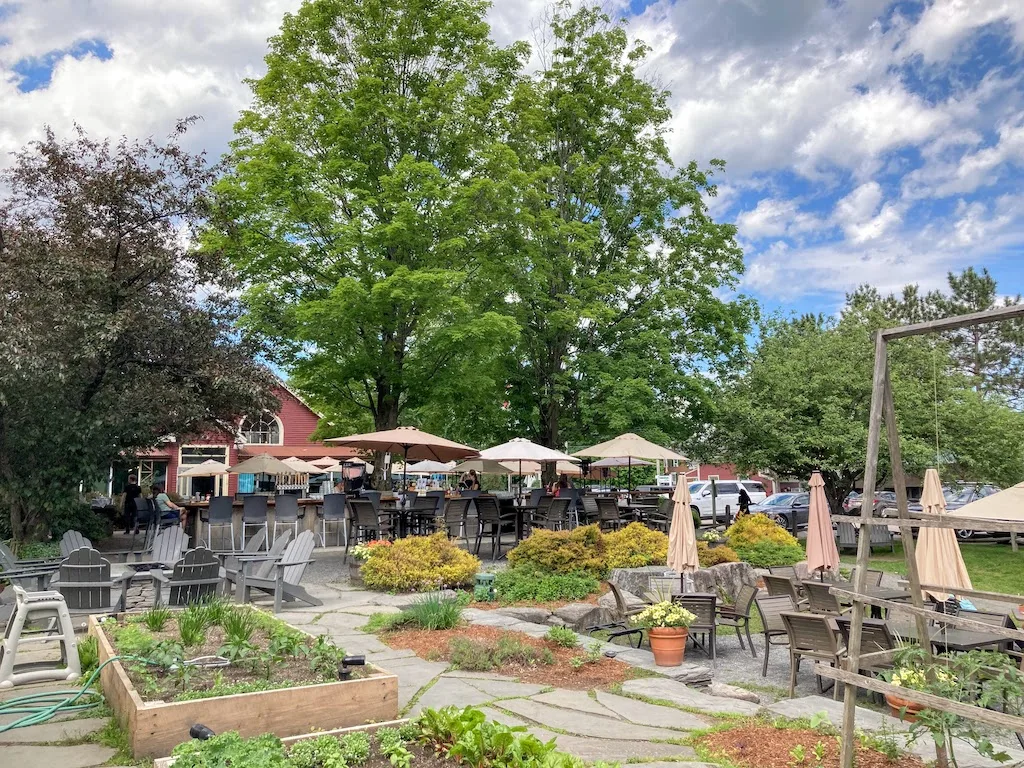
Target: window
{"points": [[753, 487], [264, 430], [725, 488]]}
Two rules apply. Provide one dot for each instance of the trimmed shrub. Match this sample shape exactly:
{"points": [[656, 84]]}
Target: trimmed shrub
{"points": [[767, 553], [750, 530], [419, 563], [709, 556], [635, 546], [525, 582], [581, 549]]}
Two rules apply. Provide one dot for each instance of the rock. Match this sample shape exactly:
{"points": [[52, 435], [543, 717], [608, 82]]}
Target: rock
{"points": [[725, 579], [574, 613], [690, 698], [534, 615], [732, 692], [554, 621], [607, 601], [649, 714], [580, 723], [637, 581]]}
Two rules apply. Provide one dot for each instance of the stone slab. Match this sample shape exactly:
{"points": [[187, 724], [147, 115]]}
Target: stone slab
{"points": [[573, 613], [612, 750], [382, 657], [807, 707], [81, 756], [27, 690], [503, 689], [534, 615], [448, 692], [649, 714], [347, 623], [575, 700], [53, 731], [505, 718], [413, 673], [369, 610], [726, 691], [583, 724], [684, 696]]}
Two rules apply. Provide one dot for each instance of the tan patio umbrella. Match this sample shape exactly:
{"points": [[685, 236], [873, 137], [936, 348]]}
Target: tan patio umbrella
{"points": [[630, 446], [682, 538], [302, 467], [208, 468], [525, 452], [483, 467], [262, 464], [822, 553], [938, 555], [561, 468], [428, 467], [410, 442]]}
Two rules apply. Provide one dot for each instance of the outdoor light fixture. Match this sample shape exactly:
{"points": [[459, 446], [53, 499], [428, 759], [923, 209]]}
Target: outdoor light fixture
{"points": [[344, 673], [201, 732]]}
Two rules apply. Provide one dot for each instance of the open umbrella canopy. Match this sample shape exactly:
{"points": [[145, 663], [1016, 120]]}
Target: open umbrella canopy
{"points": [[682, 537], [938, 554], [521, 449], [822, 553], [335, 467], [428, 467], [325, 461], [302, 467], [408, 442], [484, 467], [1005, 505], [561, 468], [208, 468], [262, 464], [630, 446], [620, 461]]}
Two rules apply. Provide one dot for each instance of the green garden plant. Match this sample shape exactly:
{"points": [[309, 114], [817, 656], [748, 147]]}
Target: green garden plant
{"points": [[527, 582], [88, 654], [419, 563], [635, 546], [192, 626], [239, 624], [562, 636], [433, 612], [582, 549], [709, 556], [156, 617]]}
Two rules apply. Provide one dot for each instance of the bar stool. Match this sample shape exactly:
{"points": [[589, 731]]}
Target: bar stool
{"points": [[254, 515], [334, 511], [221, 514], [32, 607], [286, 513]]}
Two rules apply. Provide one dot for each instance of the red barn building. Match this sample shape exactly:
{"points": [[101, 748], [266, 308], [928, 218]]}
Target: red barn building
{"points": [[282, 434]]}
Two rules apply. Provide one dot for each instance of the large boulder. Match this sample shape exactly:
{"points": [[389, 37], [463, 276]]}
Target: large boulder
{"points": [[607, 600], [535, 615], [725, 579], [636, 580], [574, 614]]}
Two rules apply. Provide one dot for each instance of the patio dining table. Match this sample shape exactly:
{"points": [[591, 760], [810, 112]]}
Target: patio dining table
{"points": [[879, 593], [960, 640]]}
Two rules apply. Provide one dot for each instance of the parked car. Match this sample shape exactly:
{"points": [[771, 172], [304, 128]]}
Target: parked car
{"points": [[728, 494], [783, 508], [960, 495], [883, 499]]}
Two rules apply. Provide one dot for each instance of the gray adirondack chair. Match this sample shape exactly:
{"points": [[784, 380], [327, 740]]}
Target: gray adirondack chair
{"points": [[30, 575], [169, 545], [71, 541], [254, 545], [880, 536], [195, 577], [288, 573], [85, 583], [262, 564]]}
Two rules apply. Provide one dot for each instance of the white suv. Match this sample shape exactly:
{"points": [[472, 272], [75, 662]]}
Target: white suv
{"points": [[728, 494]]}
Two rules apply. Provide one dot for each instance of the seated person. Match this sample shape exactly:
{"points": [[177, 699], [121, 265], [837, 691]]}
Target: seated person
{"points": [[169, 511]]}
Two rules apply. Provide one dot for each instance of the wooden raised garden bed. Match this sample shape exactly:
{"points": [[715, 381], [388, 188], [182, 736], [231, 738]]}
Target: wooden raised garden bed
{"points": [[154, 728]]}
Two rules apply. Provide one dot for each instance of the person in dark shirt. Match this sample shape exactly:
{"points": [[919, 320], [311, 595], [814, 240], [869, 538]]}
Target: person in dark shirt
{"points": [[132, 491]]}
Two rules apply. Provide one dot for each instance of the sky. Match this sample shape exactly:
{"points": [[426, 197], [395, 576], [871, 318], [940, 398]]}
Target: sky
{"points": [[866, 141]]}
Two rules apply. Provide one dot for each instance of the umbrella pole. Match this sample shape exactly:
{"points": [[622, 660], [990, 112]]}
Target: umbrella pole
{"points": [[629, 477]]}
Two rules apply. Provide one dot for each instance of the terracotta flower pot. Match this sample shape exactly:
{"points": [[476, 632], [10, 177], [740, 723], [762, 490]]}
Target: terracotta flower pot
{"points": [[896, 704], [668, 645]]}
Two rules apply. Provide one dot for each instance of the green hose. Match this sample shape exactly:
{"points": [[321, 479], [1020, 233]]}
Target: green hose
{"points": [[38, 708]]}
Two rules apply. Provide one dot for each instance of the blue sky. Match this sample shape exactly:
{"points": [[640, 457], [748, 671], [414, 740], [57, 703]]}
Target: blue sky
{"points": [[866, 140]]}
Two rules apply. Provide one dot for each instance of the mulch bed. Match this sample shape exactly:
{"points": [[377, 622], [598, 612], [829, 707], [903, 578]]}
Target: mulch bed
{"points": [[765, 746], [433, 646]]}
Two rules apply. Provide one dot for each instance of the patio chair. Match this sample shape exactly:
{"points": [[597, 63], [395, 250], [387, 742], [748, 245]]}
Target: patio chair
{"points": [[264, 567], [589, 512], [882, 538], [813, 637], [372, 496], [821, 600], [195, 577], [422, 515], [286, 513], [220, 513], [8, 562], [492, 522], [872, 577], [368, 524], [771, 610], [704, 608], [252, 547], [72, 541], [455, 513], [875, 636], [254, 515], [737, 615], [619, 626], [334, 510], [608, 515], [85, 583], [780, 585], [288, 572], [786, 571], [169, 545], [555, 517]]}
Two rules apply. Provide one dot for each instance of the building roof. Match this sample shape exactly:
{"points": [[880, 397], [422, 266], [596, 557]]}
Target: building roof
{"points": [[302, 450]]}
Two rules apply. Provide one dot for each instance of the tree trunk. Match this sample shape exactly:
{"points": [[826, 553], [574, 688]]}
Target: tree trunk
{"points": [[386, 417], [549, 415]]}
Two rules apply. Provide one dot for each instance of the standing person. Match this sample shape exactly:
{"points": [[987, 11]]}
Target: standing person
{"points": [[744, 501], [166, 508], [132, 491]]}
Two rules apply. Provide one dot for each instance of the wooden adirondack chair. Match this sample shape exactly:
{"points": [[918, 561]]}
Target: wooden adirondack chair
{"points": [[71, 541], [85, 583], [169, 545], [263, 564], [195, 577], [288, 573]]}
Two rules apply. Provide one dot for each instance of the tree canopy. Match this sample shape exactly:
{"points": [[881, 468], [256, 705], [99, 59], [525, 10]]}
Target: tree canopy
{"points": [[115, 333]]}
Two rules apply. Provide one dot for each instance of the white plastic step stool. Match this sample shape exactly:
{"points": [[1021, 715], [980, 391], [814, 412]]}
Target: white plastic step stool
{"points": [[32, 608]]}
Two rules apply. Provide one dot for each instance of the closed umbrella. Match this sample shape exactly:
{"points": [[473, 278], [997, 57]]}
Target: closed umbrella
{"points": [[682, 538], [938, 554], [630, 446], [822, 553], [262, 464]]}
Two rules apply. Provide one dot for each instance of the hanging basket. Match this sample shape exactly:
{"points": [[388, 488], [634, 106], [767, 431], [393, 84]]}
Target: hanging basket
{"points": [[668, 645]]}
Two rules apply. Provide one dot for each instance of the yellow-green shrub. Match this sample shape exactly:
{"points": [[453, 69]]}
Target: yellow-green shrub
{"points": [[581, 549], [635, 546], [750, 530], [418, 563], [708, 556]]}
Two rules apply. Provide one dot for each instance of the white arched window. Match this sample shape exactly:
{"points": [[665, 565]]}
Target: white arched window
{"points": [[262, 430]]}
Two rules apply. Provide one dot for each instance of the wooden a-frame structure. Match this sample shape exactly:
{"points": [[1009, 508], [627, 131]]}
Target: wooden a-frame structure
{"points": [[882, 409]]}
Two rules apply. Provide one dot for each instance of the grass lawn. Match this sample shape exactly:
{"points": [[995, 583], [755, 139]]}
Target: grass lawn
{"points": [[992, 566]]}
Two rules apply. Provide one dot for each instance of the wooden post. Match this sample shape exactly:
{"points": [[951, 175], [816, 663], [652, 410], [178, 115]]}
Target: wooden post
{"points": [[863, 547]]}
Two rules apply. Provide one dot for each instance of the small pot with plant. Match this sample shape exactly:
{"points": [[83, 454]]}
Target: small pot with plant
{"points": [[667, 629], [358, 555], [713, 538]]}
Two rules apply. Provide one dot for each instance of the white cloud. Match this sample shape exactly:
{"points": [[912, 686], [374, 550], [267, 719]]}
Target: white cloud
{"points": [[774, 217], [945, 24]]}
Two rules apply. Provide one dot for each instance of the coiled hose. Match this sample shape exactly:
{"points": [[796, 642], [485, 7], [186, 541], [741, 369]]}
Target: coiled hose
{"points": [[38, 708]]}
